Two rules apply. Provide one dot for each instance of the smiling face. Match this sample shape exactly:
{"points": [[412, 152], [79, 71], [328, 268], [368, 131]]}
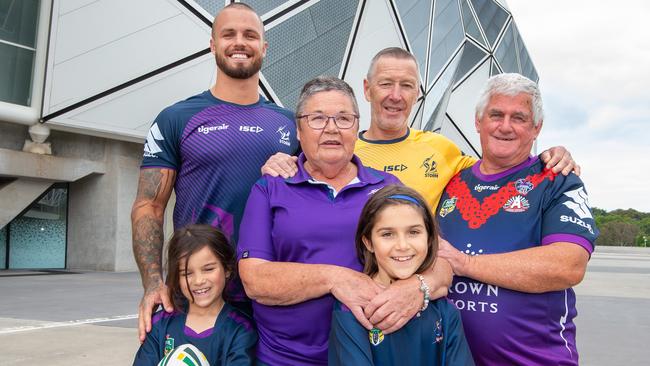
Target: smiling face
{"points": [[507, 132], [392, 90], [238, 42], [399, 241], [206, 279], [330, 145]]}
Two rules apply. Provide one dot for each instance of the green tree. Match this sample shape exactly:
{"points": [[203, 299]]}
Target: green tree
{"points": [[618, 233]]}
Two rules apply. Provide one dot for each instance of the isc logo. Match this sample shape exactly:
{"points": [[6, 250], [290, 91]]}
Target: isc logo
{"points": [[253, 129], [395, 168]]}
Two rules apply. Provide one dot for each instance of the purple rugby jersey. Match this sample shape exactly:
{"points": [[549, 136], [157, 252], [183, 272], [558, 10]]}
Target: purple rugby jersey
{"points": [[217, 149], [295, 220], [523, 207]]}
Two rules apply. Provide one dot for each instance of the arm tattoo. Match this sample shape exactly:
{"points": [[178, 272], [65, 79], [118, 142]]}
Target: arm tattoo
{"points": [[147, 224]]}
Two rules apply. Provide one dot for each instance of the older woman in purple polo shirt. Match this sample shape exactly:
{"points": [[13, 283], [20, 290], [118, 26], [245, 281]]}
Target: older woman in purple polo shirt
{"points": [[296, 248]]}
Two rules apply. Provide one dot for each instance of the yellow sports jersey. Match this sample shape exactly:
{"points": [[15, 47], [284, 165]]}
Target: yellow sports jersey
{"points": [[422, 160]]}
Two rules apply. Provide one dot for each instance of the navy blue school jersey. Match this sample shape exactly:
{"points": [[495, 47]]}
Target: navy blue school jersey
{"points": [[434, 338], [524, 207], [217, 149], [231, 341]]}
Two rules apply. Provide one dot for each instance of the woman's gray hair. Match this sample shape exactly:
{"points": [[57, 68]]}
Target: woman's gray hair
{"points": [[324, 84], [511, 84]]}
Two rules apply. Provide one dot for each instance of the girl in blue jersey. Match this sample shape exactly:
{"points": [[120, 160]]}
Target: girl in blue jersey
{"points": [[199, 263], [396, 238]]}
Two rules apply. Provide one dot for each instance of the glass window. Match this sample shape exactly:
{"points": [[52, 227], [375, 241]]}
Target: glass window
{"points": [[18, 21], [527, 67], [492, 18], [211, 6], [469, 22], [446, 37], [3, 247], [494, 69], [471, 57], [308, 44], [264, 6], [37, 238], [506, 53], [415, 15]]}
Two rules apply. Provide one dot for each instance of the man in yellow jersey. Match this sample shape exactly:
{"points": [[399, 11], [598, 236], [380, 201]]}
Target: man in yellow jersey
{"points": [[422, 160]]}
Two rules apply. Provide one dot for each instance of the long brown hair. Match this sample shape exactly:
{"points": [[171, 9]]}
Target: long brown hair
{"points": [[183, 244], [393, 195]]}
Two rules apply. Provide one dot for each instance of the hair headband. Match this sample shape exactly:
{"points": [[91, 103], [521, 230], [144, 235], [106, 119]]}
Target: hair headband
{"points": [[404, 197]]}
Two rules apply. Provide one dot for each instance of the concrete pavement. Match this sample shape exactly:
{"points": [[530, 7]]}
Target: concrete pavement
{"points": [[88, 318]]}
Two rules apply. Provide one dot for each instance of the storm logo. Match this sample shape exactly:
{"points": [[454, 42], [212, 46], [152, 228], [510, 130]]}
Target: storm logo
{"points": [[430, 167], [284, 135]]}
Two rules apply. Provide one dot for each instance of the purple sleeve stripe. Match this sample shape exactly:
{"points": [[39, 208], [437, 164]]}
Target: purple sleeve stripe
{"points": [[237, 318], [569, 238], [246, 253], [160, 315]]}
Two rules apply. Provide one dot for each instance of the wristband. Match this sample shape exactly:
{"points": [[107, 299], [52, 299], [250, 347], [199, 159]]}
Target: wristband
{"points": [[425, 290]]}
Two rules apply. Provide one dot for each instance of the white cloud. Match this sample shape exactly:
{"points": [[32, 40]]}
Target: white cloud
{"points": [[592, 58]]}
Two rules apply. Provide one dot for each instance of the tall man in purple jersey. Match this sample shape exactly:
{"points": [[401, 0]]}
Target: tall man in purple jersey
{"points": [[521, 236], [208, 148]]}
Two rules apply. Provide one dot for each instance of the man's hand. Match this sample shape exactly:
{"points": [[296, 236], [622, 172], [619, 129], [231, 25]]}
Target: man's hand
{"points": [[150, 301], [559, 158], [355, 290], [281, 164], [457, 259], [395, 306]]}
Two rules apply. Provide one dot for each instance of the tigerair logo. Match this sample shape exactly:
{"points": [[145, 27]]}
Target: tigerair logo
{"points": [[284, 135], [151, 147], [430, 167], [207, 129], [395, 168], [252, 129]]}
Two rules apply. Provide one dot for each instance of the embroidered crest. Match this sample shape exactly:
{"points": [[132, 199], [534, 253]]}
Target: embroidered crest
{"points": [[169, 344], [448, 206], [523, 186], [516, 204], [376, 336], [437, 332]]}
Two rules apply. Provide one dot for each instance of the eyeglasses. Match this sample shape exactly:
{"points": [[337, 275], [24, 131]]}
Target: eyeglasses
{"points": [[318, 121]]}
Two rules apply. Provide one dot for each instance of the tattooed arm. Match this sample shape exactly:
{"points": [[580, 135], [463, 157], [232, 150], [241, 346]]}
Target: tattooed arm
{"points": [[154, 188]]}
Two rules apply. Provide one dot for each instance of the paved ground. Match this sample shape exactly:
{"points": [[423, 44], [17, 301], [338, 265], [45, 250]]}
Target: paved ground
{"points": [[88, 318]]}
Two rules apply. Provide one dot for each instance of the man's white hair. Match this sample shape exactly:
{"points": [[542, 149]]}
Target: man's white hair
{"points": [[511, 84]]}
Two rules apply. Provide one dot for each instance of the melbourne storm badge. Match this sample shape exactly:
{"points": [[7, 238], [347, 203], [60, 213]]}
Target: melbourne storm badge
{"points": [[376, 336], [523, 186]]}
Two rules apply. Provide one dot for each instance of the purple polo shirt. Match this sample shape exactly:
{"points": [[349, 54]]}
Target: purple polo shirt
{"points": [[295, 220]]}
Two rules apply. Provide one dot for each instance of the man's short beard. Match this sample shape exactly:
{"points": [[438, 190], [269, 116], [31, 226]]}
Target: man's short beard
{"points": [[242, 72]]}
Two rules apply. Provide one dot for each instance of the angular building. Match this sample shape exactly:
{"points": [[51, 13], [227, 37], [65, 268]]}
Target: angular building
{"points": [[81, 81]]}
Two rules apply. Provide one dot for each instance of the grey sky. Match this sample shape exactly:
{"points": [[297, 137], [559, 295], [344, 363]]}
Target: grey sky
{"points": [[593, 59]]}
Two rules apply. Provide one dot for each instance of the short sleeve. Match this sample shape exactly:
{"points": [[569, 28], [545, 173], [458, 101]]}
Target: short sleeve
{"points": [[567, 215], [149, 353], [457, 350], [348, 341], [256, 226], [161, 149]]}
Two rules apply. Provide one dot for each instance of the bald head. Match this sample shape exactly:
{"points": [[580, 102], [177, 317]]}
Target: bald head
{"points": [[237, 7]]}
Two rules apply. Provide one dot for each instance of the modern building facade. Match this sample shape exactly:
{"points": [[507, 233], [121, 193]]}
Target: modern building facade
{"points": [[90, 75]]}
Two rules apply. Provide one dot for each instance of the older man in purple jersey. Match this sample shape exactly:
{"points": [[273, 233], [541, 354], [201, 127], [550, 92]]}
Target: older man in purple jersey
{"points": [[521, 235]]}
